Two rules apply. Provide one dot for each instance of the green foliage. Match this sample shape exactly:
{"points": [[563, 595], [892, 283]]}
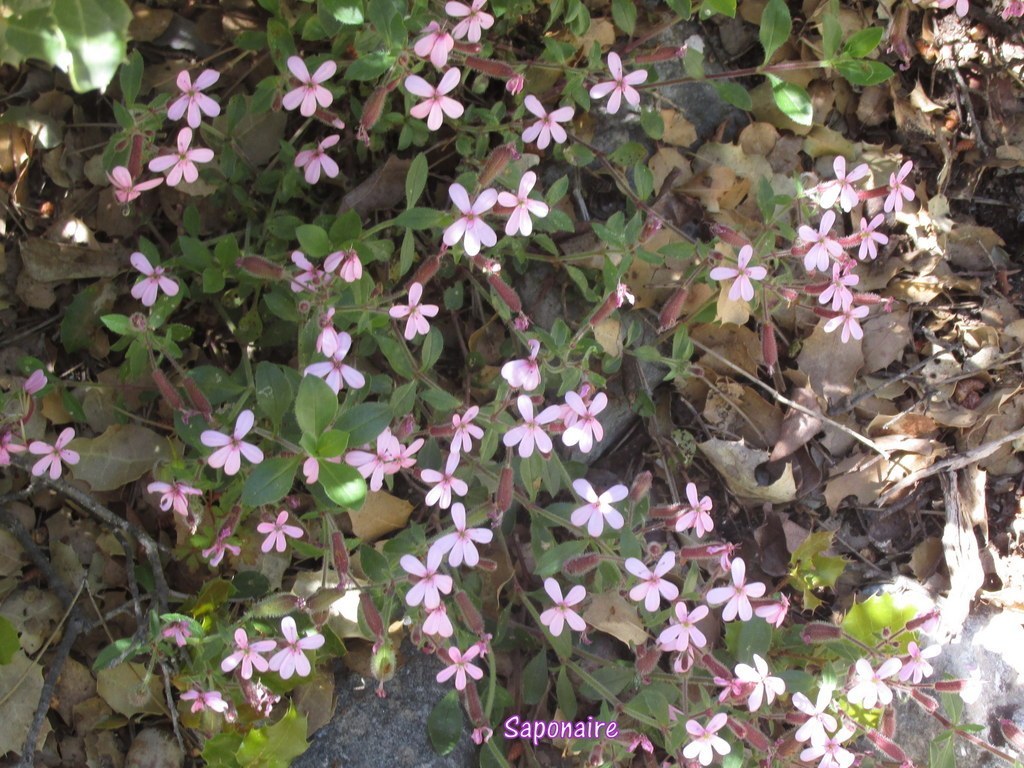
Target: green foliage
{"points": [[276, 745], [793, 100], [810, 569], [445, 724], [776, 27], [9, 643]]}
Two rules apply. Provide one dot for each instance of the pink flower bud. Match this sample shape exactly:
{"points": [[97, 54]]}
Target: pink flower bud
{"points": [[950, 686], [497, 162], [926, 701], [641, 486], [729, 236], [647, 658], [715, 667], [372, 110], [139, 322], [887, 726], [506, 487], [670, 312], [469, 48], [427, 270], [135, 158], [578, 565], [199, 401], [886, 746], [372, 616], [169, 393], [820, 632], [521, 322], [506, 293], [652, 226], [515, 85], [664, 53], [341, 559], [470, 614], [1012, 734], [488, 565], [491, 68], [769, 349], [257, 266]]}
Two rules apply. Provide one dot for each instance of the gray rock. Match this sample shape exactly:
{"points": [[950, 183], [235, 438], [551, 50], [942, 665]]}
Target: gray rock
{"points": [[371, 732]]}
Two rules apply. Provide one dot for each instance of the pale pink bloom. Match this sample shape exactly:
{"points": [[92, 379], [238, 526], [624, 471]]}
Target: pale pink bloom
{"points": [[178, 631], [231, 449], [849, 322], [736, 597], [831, 751], [346, 263], [315, 160], [766, 687], [444, 483], [898, 191], [823, 245], [1014, 10], [705, 741], [211, 700], [524, 374], [8, 447], [277, 531], [741, 275], [310, 278], [697, 514], [531, 432], [174, 495], [522, 206], [547, 127], [291, 659], [35, 382], [683, 629], [515, 84], [310, 93], [435, 45], [470, 226], [429, 582], [192, 99], [373, 466], [125, 188], [436, 102], [917, 666], [216, 551], [842, 188], [819, 722], [731, 688], [838, 291], [870, 688], [335, 371], [248, 655], [653, 586], [465, 430], [598, 508], [437, 622], [53, 455], [154, 280], [562, 613], [461, 545], [962, 6], [416, 313], [870, 239], [774, 613], [619, 86], [183, 164], [311, 470], [406, 458], [460, 664], [327, 341], [474, 19], [585, 429]]}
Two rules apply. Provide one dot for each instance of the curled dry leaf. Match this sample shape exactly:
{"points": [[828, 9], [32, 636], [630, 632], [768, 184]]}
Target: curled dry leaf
{"points": [[611, 613], [380, 514], [798, 427], [738, 463], [121, 455]]}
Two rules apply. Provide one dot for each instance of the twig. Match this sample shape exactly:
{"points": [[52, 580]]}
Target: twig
{"points": [[24, 538], [171, 708]]}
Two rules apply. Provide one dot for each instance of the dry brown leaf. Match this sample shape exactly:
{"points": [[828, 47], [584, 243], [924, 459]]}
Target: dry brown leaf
{"points": [[21, 683], [611, 613], [155, 748], [382, 189], [678, 130], [48, 262], [380, 514], [148, 24], [730, 311], [798, 427], [886, 336], [759, 139], [736, 343], [315, 700], [122, 454], [865, 476], [35, 613], [130, 689], [830, 365], [608, 334], [665, 161], [738, 463]]}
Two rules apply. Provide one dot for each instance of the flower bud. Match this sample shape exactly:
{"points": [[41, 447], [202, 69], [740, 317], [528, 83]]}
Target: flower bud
{"points": [[488, 565], [473, 706], [506, 293], [506, 489], [521, 322], [1012, 734], [887, 746], [470, 48], [652, 226], [647, 658], [372, 616], [820, 632], [664, 53], [491, 68], [372, 111], [274, 606], [610, 305], [427, 269], [135, 158], [405, 427], [670, 312], [497, 162], [383, 665], [888, 722], [668, 512], [641, 486], [715, 667], [341, 559], [470, 614], [515, 85], [169, 393], [737, 727], [926, 701], [769, 349], [257, 266], [199, 401], [485, 265], [578, 565], [139, 322], [950, 686], [728, 235], [757, 740]]}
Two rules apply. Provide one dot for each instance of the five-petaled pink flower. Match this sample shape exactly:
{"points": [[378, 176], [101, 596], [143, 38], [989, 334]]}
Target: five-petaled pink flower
{"points": [[706, 742], [174, 495], [766, 687], [291, 659], [849, 320], [531, 432], [437, 622], [311, 276], [584, 428], [192, 99], [53, 455], [524, 374], [522, 206], [741, 275], [653, 586], [277, 531], [429, 582], [444, 483], [697, 515], [822, 245], [310, 93], [598, 508], [842, 188], [460, 666], [474, 19], [8, 447], [435, 45], [736, 597], [470, 226], [465, 430], [315, 160], [683, 629], [898, 191], [870, 239], [819, 722], [917, 666], [773, 612], [562, 613], [416, 323], [183, 164], [436, 102], [831, 750], [178, 631], [248, 655], [154, 280], [619, 86], [211, 700], [547, 127], [335, 371], [347, 264], [230, 450], [461, 545], [373, 466], [125, 188], [870, 687], [838, 291]]}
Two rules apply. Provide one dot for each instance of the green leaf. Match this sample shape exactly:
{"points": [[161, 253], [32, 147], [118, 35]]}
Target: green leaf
{"points": [[863, 71], [348, 12], [116, 650], [866, 621], [724, 7], [119, 324], [82, 315], [315, 406], [643, 180], [416, 179], [776, 26], [433, 345], [792, 100], [313, 240], [275, 392], [331, 444], [96, 35], [275, 746], [566, 695], [734, 94], [364, 422], [342, 484], [419, 218], [270, 481], [131, 78], [535, 678], [941, 752], [651, 122], [831, 30], [860, 44], [370, 66], [624, 15], [444, 724], [9, 643]]}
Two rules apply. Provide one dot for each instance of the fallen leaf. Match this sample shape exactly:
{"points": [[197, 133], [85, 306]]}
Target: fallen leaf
{"points": [[154, 748], [315, 700], [612, 614], [608, 334], [886, 336], [130, 689], [830, 365], [122, 454], [730, 311], [35, 612], [48, 262], [678, 130], [737, 463], [380, 514], [384, 188], [21, 684], [798, 427]]}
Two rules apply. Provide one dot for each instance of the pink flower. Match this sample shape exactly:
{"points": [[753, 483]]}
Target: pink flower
{"points": [[373, 466], [335, 371], [524, 374], [898, 191], [125, 188], [849, 322], [531, 432], [1014, 10], [291, 659], [598, 508], [444, 483], [870, 239], [53, 455], [515, 84], [311, 276], [562, 613], [838, 291], [842, 188], [547, 127], [962, 6], [823, 245], [315, 160], [917, 667], [437, 622], [8, 447], [774, 613], [435, 45], [831, 751], [765, 686], [473, 19], [466, 430], [216, 551], [870, 687], [154, 280], [429, 582], [705, 742], [619, 86], [248, 655], [653, 586], [174, 495], [683, 630], [192, 98], [522, 206], [696, 515], [471, 227], [819, 722], [417, 313], [277, 531], [346, 263], [585, 428], [737, 597], [327, 341], [183, 164], [178, 631], [310, 93], [741, 287], [35, 382], [201, 700], [460, 664], [436, 103], [462, 543], [231, 449]]}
